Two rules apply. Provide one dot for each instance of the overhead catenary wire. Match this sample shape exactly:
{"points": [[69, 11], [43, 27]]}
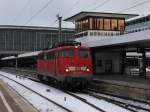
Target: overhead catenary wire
{"points": [[102, 4], [53, 22], [106, 1], [21, 11], [134, 6], [90, 5], [73, 7], [39, 11], [75, 4]]}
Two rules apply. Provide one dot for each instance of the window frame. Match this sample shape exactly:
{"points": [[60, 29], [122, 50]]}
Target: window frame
{"points": [[81, 56], [62, 55]]}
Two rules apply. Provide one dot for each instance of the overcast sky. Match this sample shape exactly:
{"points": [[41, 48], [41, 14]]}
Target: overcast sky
{"points": [[43, 12]]}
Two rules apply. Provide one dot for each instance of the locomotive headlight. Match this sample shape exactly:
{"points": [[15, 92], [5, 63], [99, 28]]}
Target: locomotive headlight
{"points": [[76, 46], [87, 69], [67, 70], [72, 68]]}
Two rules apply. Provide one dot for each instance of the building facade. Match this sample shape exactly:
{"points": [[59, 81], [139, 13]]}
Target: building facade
{"points": [[139, 23], [99, 24], [20, 39]]}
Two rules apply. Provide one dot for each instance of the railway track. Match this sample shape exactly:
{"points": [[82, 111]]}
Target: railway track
{"points": [[125, 105], [61, 106], [85, 101], [111, 101], [93, 105], [130, 104]]}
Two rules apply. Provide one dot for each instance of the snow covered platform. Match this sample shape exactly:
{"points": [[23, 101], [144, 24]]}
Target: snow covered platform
{"points": [[10, 101], [123, 85]]}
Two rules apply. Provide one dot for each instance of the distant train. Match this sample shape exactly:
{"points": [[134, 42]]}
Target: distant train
{"points": [[67, 63]]}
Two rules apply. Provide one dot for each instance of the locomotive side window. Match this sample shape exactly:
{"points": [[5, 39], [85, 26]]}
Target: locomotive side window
{"points": [[50, 56], [68, 53], [84, 53]]}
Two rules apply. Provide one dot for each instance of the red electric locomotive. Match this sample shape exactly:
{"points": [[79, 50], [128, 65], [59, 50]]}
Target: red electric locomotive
{"points": [[67, 63]]}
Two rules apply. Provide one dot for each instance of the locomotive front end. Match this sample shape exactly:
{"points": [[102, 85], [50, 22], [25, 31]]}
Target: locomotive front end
{"points": [[76, 65]]}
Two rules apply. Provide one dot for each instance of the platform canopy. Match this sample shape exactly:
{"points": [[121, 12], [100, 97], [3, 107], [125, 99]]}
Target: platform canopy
{"points": [[84, 14]]}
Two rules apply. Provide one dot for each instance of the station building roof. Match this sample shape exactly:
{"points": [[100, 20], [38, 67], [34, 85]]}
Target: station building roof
{"points": [[33, 28], [138, 19], [84, 14], [29, 54]]}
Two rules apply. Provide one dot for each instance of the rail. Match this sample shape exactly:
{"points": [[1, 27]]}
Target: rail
{"points": [[84, 100], [111, 98], [127, 106], [68, 110]]}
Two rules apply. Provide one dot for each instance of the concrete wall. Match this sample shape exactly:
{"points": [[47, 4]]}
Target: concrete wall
{"points": [[107, 62]]}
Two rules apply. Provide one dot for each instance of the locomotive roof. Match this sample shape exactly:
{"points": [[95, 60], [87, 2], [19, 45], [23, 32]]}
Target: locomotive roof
{"points": [[66, 43], [36, 53], [64, 48]]}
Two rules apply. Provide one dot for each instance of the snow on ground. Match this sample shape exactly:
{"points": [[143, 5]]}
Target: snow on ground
{"points": [[38, 102], [147, 106], [108, 107], [56, 95]]}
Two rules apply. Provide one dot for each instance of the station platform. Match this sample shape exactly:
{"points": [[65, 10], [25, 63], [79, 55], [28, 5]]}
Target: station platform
{"points": [[123, 85], [10, 101]]}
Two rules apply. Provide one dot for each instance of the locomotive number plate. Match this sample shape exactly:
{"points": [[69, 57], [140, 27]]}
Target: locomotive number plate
{"points": [[83, 68], [72, 68], [77, 68]]}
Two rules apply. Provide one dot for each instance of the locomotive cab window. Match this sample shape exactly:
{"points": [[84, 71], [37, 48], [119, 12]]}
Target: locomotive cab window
{"points": [[84, 54], [68, 53], [51, 56]]}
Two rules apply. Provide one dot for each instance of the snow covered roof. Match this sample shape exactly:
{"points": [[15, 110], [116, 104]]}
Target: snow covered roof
{"points": [[33, 28], [98, 14], [100, 41], [30, 54], [138, 17], [8, 58]]}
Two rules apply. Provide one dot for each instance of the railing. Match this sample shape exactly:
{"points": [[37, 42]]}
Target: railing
{"points": [[138, 30], [108, 33]]}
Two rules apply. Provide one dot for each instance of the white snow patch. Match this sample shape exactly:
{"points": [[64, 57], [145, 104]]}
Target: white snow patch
{"points": [[38, 102], [56, 95], [108, 107]]}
